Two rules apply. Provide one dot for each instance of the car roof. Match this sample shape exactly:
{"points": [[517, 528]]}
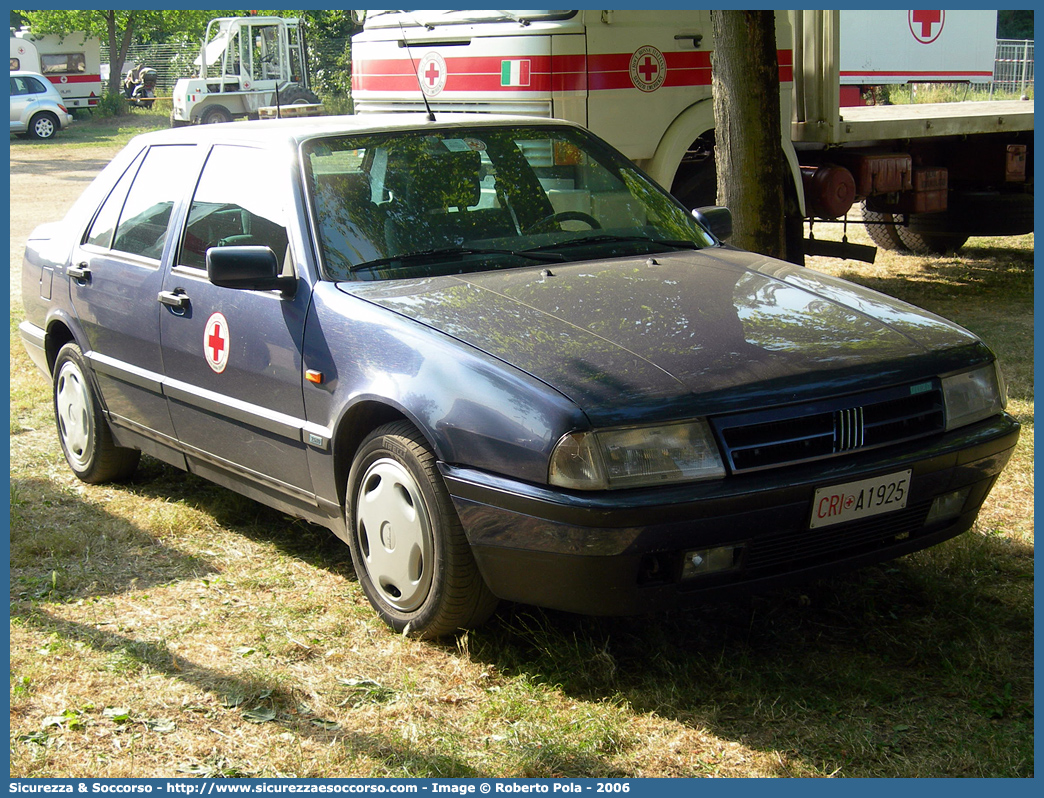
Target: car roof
{"points": [[22, 72], [300, 129]]}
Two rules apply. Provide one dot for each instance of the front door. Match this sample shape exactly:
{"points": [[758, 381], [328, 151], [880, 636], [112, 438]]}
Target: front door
{"points": [[232, 358]]}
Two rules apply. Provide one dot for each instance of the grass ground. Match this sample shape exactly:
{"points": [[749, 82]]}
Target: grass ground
{"points": [[168, 627]]}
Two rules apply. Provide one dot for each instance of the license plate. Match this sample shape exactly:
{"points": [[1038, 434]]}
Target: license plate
{"points": [[863, 499]]}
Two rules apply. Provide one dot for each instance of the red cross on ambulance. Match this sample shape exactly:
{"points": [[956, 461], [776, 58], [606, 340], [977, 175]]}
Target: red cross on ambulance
{"points": [[432, 74], [927, 25], [216, 342]]}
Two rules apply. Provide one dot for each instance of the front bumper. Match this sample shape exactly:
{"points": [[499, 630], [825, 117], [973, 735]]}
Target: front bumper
{"points": [[621, 552]]}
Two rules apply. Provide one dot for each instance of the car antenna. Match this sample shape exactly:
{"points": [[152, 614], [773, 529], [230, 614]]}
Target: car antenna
{"points": [[424, 97]]}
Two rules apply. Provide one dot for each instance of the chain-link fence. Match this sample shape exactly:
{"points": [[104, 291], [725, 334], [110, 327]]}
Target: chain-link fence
{"points": [[1013, 70]]}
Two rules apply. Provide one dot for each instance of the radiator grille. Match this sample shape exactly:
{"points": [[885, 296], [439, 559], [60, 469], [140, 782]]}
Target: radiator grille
{"points": [[798, 434]]}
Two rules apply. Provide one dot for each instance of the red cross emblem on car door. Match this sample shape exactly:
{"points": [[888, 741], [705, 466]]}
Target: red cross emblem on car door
{"points": [[216, 342]]}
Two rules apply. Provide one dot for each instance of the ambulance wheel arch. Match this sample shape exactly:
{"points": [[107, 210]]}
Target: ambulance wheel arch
{"points": [[693, 130]]}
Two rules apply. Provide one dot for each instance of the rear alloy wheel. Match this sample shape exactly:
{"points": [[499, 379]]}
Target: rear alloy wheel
{"points": [[82, 429], [44, 126], [410, 552]]}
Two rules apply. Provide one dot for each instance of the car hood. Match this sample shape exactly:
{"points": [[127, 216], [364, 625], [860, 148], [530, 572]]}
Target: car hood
{"points": [[713, 330]]}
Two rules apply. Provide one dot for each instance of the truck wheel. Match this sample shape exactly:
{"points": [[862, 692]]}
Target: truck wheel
{"points": [[296, 95], [883, 229], [214, 114], [696, 181], [82, 429], [409, 549], [930, 244], [44, 126]]}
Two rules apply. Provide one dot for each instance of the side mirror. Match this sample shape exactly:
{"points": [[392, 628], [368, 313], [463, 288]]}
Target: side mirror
{"points": [[716, 219], [248, 269]]}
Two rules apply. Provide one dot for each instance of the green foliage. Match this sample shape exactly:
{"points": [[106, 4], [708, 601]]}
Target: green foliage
{"points": [[111, 105], [146, 25], [1015, 24]]}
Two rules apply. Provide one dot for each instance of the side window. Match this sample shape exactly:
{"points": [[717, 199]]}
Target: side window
{"points": [[159, 183], [235, 204], [34, 86], [104, 225]]}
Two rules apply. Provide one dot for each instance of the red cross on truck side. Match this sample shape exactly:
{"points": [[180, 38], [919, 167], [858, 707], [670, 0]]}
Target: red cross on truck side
{"points": [[926, 25], [648, 69]]}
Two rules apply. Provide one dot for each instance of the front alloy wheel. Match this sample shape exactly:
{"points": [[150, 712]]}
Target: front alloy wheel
{"points": [[410, 553]]}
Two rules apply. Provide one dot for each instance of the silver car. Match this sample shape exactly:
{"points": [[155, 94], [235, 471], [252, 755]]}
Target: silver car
{"points": [[36, 106]]}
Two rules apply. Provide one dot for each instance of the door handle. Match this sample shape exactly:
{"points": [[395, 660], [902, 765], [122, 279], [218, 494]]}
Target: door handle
{"points": [[81, 273], [177, 300]]}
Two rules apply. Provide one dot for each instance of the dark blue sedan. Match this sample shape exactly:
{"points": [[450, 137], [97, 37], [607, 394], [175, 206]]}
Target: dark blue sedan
{"points": [[500, 363]]}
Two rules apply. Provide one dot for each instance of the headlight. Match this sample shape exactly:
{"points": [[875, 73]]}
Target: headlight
{"points": [[973, 396], [635, 457]]}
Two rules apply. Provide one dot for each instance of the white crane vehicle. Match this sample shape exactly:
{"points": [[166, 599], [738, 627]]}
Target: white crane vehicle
{"points": [[245, 64]]}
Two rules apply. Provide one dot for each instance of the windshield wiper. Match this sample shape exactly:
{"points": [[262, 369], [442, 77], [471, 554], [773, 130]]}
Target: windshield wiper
{"points": [[450, 252], [674, 243]]}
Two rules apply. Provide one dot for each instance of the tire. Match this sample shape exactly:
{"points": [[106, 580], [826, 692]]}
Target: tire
{"points": [[883, 229], [215, 114], [696, 181], [409, 549], [44, 126], [930, 244], [82, 429], [297, 95]]}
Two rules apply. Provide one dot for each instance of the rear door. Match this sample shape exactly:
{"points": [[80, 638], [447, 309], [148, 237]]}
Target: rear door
{"points": [[232, 357], [115, 277]]}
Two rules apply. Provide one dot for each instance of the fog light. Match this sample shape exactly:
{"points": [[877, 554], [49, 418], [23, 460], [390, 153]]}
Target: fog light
{"points": [[947, 506], [710, 561]]}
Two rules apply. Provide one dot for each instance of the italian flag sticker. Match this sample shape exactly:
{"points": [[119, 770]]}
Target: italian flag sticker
{"points": [[514, 73]]}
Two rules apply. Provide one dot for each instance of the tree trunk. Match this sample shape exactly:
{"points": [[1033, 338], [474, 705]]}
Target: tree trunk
{"points": [[748, 154], [117, 55]]}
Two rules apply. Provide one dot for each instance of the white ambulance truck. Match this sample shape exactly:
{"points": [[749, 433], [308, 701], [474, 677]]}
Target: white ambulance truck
{"points": [[72, 63], [927, 175]]}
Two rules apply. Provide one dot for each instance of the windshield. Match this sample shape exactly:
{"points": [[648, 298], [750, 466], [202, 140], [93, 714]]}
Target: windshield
{"points": [[423, 203]]}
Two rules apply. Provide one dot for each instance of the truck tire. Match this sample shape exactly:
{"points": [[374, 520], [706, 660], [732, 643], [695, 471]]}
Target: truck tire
{"points": [[930, 243], [296, 95], [214, 114], [883, 229], [696, 181]]}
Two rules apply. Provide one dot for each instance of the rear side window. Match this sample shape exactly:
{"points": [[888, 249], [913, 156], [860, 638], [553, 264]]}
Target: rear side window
{"points": [[104, 224], [145, 218], [23, 84], [235, 204]]}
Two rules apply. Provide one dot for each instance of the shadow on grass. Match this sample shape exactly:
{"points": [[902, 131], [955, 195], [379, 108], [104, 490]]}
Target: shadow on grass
{"points": [[922, 667]]}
